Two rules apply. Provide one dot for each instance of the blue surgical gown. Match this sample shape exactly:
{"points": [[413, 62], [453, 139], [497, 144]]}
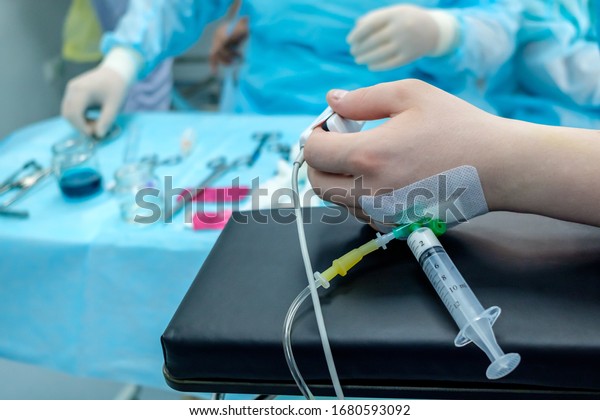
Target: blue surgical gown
{"points": [[297, 51], [153, 93], [555, 75]]}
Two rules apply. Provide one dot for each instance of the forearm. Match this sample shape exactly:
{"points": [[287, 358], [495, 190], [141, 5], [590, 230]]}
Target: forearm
{"points": [[158, 29], [523, 167], [552, 171], [479, 27]]}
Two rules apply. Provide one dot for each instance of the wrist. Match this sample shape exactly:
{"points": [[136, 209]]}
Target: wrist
{"points": [[551, 171], [448, 32], [124, 61], [506, 163], [558, 173]]}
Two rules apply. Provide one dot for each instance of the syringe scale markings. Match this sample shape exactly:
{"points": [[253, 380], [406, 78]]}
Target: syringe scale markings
{"points": [[475, 322]]}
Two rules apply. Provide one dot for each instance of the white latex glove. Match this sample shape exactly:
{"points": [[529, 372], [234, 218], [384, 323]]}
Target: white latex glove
{"points": [[104, 86], [394, 36]]}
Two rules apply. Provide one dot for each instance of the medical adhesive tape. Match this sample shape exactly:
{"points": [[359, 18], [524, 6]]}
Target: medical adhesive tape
{"points": [[453, 196]]}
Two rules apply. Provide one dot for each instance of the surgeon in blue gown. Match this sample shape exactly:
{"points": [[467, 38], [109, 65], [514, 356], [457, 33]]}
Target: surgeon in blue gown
{"points": [[154, 91], [296, 51], [554, 77]]}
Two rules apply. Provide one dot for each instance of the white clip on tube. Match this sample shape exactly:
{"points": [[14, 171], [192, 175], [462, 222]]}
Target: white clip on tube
{"points": [[338, 124], [331, 121]]}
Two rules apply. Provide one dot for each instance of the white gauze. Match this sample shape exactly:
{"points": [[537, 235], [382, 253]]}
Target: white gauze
{"points": [[453, 196]]}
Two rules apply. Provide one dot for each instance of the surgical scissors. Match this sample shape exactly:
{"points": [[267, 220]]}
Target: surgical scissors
{"points": [[154, 160], [219, 167], [25, 184], [263, 139], [13, 181]]}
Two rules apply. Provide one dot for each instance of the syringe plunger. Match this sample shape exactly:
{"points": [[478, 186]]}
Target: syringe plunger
{"points": [[474, 322]]}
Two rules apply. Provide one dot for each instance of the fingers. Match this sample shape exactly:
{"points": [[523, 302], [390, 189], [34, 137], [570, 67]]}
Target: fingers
{"points": [[372, 41], [224, 57], [333, 152], [339, 189], [381, 53], [240, 31], [102, 87], [380, 101], [367, 25], [219, 38], [214, 63], [73, 109], [344, 191], [109, 111], [225, 47], [213, 58], [353, 153], [227, 55], [390, 62]]}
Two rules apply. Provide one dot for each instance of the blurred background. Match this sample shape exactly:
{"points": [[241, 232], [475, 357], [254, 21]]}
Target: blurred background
{"points": [[32, 89], [34, 75], [34, 82]]}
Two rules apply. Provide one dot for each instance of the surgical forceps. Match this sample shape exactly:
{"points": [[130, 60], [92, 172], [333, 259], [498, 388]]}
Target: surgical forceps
{"points": [[13, 180], [219, 167], [264, 139], [24, 184]]}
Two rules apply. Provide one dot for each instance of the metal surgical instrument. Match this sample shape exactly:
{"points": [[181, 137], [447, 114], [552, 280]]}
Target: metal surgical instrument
{"points": [[25, 184], [17, 214], [263, 139], [13, 180], [219, 167]]}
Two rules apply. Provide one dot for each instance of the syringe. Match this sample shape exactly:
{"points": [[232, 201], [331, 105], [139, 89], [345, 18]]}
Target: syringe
{"points": [[474, 322]]}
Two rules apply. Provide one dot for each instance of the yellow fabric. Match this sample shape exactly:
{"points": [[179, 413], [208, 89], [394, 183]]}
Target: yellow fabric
{"points": [[81, 33]]}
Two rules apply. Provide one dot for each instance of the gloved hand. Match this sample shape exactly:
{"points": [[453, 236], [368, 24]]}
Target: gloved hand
{"points": [[227, 42], [106, 87], [394, 36]]}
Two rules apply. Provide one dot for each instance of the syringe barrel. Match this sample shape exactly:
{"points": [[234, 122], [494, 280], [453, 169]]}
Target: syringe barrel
{"points": [[474, 323], [445, 278]]}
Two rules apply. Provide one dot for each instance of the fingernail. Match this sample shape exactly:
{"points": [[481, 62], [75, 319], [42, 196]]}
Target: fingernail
{"points": [[337, 94]]}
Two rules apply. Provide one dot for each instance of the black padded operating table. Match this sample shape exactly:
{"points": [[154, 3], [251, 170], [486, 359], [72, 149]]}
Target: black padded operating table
{"points": [[389, 332]]}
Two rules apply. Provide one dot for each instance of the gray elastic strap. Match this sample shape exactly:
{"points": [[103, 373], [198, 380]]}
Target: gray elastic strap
{"points": [[453, 196]]}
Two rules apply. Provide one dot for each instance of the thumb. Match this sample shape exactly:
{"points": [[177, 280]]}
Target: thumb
{"points": [[107, 116], [376, 102], [116, 90]]}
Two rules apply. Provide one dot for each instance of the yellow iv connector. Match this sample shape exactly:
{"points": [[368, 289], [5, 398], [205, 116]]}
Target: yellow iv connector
{"points": [[341, 265]]}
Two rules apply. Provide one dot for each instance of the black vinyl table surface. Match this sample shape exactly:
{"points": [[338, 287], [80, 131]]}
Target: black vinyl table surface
{"points": [[390, 334]]}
